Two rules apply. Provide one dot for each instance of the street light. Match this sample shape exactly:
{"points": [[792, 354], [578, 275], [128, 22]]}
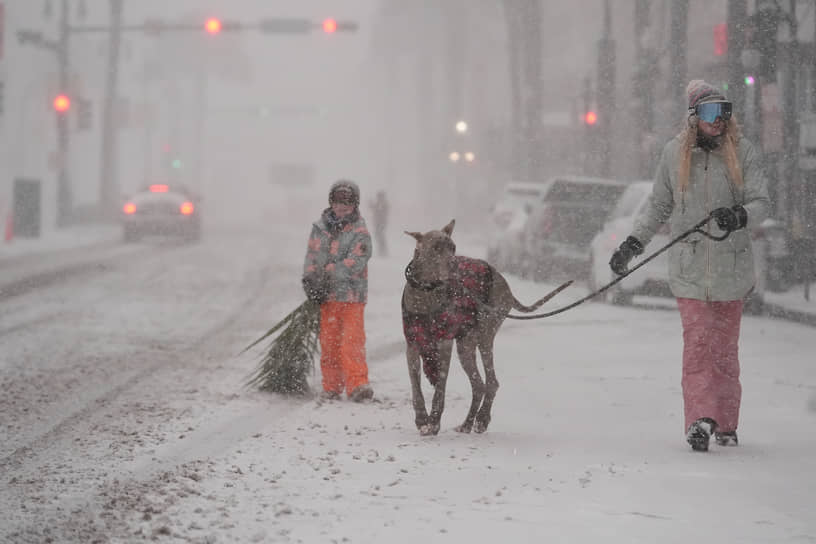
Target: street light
{"points": [[461, 127], [454, 156], [470, 156]]}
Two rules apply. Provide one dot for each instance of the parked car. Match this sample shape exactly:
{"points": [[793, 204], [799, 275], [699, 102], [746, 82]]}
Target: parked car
{"points": [[557, 234], [507, 220], [652, 279], [161, 209]]}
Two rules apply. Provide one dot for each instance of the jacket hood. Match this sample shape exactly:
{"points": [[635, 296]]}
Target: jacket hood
{"points": [[345, 185]]}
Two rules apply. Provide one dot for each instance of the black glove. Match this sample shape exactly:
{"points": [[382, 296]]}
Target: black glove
{"points": [[620, 259], [316, 287], [730, 219]]}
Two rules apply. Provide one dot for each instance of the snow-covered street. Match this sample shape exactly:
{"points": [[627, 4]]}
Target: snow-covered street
{"points": [[174, 173], [124, 418]]}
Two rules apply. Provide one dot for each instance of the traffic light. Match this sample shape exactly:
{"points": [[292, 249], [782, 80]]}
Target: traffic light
{"points": [[213, 25], [590, 118], [329, 26], [62, 103], [720, 39]]}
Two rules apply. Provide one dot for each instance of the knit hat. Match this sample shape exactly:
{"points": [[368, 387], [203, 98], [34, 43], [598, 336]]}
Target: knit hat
{"points": [[701, 92], [344, 191]]}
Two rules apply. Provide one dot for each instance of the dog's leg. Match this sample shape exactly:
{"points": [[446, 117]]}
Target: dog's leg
{"points": [[466, 349], [414, 373], [438, 402], [491, 383]]}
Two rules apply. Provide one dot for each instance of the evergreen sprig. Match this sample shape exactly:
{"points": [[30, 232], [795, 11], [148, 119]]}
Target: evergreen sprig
{"points": [[285, 366]]}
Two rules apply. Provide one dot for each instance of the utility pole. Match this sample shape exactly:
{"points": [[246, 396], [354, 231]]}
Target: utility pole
{"points": [[679, 60], [200, 81], [65, 199], [531, 87], [644, 84], [523, 20], [605, 88], [736, 19], [790, 130], [514, 53], [60, 48], [108, 182], [147, 145]]}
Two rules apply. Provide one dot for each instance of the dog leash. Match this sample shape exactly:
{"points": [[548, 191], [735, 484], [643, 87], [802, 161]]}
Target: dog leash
{"points": [[695, 229]]}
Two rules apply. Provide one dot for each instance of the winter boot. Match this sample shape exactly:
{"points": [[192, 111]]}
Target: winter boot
{"points": [[699, 433], [361, 393], [726, 438], [328, 395]]}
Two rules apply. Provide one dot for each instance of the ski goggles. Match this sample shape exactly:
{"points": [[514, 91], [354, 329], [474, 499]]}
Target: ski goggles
{"points": [[711, 111]]}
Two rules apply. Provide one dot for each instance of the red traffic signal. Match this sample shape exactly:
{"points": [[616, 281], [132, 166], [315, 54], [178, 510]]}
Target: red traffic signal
{"points": [[590, 118], [213, 25], [721, 39], [329, 26], [62, 103]]}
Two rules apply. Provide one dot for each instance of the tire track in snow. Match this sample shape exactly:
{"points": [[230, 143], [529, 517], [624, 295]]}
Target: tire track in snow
{"points": [[40, 443], [168, 463]]}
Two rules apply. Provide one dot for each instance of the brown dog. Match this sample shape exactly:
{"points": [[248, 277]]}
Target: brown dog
{"points": [[449, 298]]}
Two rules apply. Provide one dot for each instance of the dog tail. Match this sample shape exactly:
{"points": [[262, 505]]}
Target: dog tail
{"points": [[537, 304]]}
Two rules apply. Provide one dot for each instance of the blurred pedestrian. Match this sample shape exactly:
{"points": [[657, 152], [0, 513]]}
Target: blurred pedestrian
{"points": [[708, 170], [379, 207], [335, 274]]}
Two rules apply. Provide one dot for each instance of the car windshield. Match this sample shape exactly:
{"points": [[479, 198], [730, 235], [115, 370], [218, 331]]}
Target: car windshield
{"points": [[575, 211], [573, 225]]}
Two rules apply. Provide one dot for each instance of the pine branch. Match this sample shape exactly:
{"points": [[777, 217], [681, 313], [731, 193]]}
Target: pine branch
{"points": [[290, 356]]}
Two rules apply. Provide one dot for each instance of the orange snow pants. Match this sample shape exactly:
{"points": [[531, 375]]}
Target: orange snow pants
{"points": [[342, 346], [711, 369]]}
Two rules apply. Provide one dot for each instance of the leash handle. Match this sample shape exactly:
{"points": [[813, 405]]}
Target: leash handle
{"points": [[695, 229]]}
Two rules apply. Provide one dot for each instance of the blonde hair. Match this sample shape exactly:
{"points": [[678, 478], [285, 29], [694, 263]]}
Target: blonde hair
{"points": [[688, 139]]}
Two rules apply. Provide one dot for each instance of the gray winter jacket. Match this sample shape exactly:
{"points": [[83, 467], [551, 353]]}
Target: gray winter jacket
{"points": [[701, 268]]}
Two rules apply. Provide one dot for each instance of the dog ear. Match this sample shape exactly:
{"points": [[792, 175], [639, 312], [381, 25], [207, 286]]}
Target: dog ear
{"points": [[448, 229], [416, 235]]}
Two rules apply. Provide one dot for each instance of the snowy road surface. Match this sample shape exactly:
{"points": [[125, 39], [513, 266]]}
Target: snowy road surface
{"points": [[123, 418]]}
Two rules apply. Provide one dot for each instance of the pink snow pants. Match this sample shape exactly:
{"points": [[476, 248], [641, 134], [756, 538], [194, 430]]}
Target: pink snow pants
{"points": [[711, 385]]}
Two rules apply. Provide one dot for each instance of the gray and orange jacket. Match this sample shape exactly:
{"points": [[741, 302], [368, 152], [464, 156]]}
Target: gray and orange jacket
{"points": [[343, 256]]}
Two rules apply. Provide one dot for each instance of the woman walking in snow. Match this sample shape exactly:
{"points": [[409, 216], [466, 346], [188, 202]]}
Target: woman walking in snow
{"points": [[707, 170], [335, 274]]}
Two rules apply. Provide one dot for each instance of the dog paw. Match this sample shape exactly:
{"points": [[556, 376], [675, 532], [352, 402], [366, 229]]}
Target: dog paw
{"points": [[463, 428], [480, 426], [429, 430]]}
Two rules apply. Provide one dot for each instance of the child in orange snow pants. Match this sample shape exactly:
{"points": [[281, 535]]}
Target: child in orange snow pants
{"points": [[342, 346]]}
